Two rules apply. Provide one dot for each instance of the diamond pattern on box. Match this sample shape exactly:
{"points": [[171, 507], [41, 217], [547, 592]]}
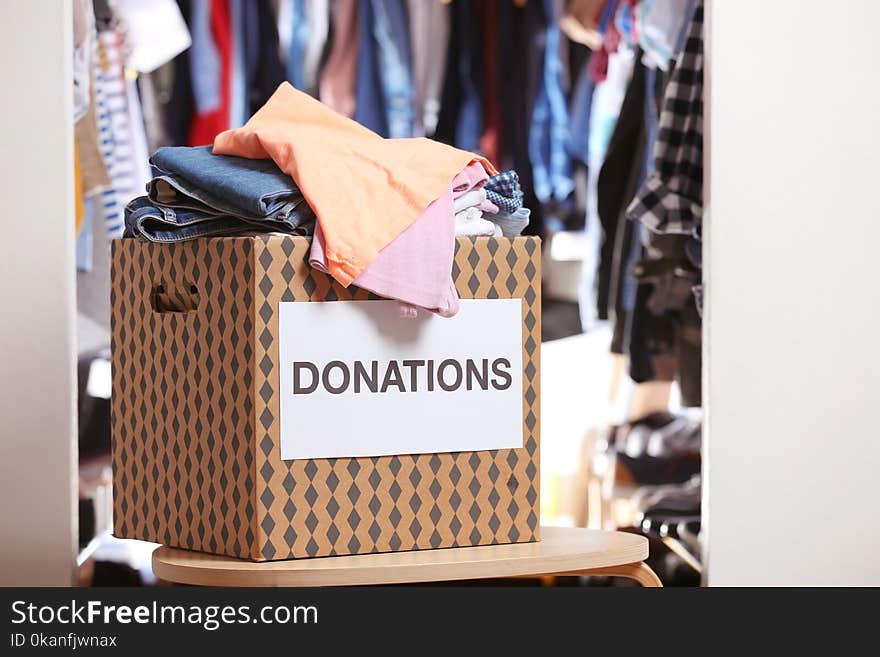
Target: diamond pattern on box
{"points": [[195, 412]]}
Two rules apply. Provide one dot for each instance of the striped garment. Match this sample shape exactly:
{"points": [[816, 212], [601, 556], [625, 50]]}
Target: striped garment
{"points": [[119, 120]]}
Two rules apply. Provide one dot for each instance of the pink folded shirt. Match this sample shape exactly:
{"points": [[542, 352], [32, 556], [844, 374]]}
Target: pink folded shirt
{"points": [[416, 267], [473, 176]]}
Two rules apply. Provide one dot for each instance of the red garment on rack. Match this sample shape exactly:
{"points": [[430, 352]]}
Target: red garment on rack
{"points": [[207, 125], [598, 63], [490, 142]]}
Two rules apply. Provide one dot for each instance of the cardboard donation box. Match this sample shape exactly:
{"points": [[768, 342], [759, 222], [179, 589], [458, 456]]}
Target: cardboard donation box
{"points": [[249, 423]]}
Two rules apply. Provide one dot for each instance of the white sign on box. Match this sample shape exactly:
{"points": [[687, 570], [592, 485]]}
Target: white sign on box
{"points": [[357, 379]]}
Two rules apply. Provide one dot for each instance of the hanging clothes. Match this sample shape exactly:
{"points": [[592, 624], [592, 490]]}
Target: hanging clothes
{"points": [[384, 82], [369, 104], [581, 21], [618, 180], [303, 31], [263, 69], [672, 199], [429, 37], [460, 122], [238, 112], [659, 25], [629, 249], [120, 129], [521, 70], [491, 140], [336, 88], [669, 205], [205, 63], [579, 116], [548, 133], [296, 48], [92, 169], [318, 16], [95, 176], [182, 105], [83, 47], [637, 332], [606, 103], [210, 69]]}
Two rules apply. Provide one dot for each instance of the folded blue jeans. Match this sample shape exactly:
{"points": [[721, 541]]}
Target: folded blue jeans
{"points": [[159, 223], [255, 189]]}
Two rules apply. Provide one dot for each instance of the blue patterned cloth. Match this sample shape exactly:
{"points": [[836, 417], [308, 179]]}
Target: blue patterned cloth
{"points": [[391, 32], [296, 52], [504, 191], [548, 136]]}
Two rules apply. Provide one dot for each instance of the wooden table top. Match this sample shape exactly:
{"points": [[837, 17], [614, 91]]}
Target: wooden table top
{"points": [[561, 550]]}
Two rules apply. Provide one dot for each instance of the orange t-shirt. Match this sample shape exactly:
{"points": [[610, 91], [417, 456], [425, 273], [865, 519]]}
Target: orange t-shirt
{"points": [[365, 190]]}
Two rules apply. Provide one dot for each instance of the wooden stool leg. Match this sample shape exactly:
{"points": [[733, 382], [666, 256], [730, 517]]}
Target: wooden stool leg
{"points": [[640, 572]]}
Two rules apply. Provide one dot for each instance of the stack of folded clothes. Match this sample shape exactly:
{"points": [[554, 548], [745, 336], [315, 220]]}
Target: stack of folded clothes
{"points": [[383, 213], [198, 194], [504, 192], [195, 193], [490, 206]]}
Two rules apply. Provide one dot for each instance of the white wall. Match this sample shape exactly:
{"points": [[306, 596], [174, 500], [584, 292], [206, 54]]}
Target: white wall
{"points": [[37, 383], [793, 325]]}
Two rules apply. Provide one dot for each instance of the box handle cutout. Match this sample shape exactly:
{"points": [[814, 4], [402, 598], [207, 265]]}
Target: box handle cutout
{"points": [[177, 300]]}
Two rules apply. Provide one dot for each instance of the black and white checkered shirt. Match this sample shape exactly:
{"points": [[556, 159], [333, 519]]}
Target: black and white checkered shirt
{"points": [[671, 200]]}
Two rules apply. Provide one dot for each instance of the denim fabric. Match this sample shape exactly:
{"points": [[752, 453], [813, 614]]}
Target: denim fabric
{"points": [[369, 104], [238, 85], [551, 167], [250, 44], [204, 59], [296, 53], [391, 31], [158, 223], [164, 224], [579, 116], [469, 127], [624, 21], [607, 16], [255, 189], [652, 123]]}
